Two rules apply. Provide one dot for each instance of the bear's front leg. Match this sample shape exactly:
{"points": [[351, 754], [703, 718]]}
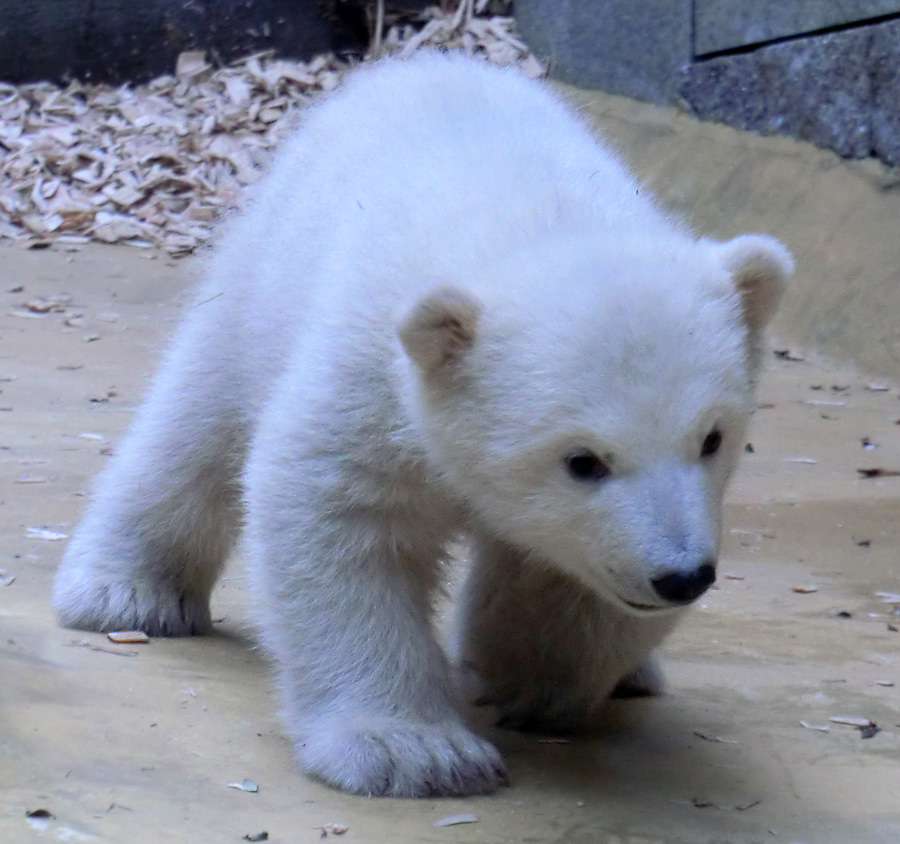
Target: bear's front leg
{"points": [[544, 650], [345, 581]]}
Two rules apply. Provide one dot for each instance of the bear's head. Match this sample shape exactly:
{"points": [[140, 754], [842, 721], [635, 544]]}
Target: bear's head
{"points": [[588, 403]]}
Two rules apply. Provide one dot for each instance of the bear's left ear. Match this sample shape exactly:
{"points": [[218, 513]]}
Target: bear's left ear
{"points": [[760, 267], [440, 328]]}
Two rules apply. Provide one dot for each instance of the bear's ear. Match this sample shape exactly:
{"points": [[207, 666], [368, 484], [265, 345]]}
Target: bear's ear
{"points": [[760, 267], [440, 328]]}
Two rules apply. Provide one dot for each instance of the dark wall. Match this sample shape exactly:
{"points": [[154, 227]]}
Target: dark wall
{"points": [[116, 40]]}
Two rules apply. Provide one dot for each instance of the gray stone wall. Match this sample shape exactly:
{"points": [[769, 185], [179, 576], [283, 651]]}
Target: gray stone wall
{"points": [[826, 71]]}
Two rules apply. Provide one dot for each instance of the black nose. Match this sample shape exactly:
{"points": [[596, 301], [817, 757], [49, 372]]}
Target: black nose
{"points": [[682, 587]]}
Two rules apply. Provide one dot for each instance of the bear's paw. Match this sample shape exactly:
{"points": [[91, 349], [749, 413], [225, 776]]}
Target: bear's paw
{"points": [[86, 602], [395, 758]]}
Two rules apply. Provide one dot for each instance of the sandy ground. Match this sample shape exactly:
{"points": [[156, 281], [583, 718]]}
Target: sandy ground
{"points": [[125, 743]]}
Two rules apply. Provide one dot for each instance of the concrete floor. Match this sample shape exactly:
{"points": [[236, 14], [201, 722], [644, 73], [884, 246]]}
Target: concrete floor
{"points": [[138, 743]]}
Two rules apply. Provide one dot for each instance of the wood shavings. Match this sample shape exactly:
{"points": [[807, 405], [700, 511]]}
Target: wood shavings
{"points": [[455, 820], [334, 828], [128, 637], [44, 533], [805, 590], [850, 720], [46, 305], [155, 165]]}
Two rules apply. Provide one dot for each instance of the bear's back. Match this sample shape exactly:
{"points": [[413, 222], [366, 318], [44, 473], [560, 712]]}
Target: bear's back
{"points": [[433, 164]]}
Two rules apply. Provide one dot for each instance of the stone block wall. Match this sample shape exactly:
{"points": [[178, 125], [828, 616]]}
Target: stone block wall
{"points": [[826, 71]]}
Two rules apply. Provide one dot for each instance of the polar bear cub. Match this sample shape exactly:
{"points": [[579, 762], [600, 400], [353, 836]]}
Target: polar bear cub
{"points": [[449, 310]]}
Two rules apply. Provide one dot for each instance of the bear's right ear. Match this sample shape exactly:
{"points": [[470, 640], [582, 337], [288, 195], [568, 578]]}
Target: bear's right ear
{"points": [[440, 328]]}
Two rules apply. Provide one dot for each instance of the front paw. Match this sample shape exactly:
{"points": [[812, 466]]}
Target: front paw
{"points": [[85, 600], [396, 758]]}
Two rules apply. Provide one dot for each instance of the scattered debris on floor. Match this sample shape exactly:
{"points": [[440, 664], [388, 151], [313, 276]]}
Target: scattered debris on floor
{"points": [[334, 829], [787, 354], [851, 720], [245, 785], [262, 835], [45, 533], [128, 637], [805, 590], [715, 739], [157, 164], [879, 473], [91, 646], [705, 803], [455, 820]]}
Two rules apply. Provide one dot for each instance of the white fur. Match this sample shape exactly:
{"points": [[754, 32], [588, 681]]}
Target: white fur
{"points": [[443, 288]]}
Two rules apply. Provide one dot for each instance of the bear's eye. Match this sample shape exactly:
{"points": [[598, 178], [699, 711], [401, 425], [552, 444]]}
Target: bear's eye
{"points": [[711, 443], [584, 465]]}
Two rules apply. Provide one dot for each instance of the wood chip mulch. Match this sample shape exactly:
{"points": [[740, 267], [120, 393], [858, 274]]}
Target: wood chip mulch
{"points": [[155, 165]]}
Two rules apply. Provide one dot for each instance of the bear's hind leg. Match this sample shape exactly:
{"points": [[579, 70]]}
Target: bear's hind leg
{"points": [[541, 648], [166, 512]]}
